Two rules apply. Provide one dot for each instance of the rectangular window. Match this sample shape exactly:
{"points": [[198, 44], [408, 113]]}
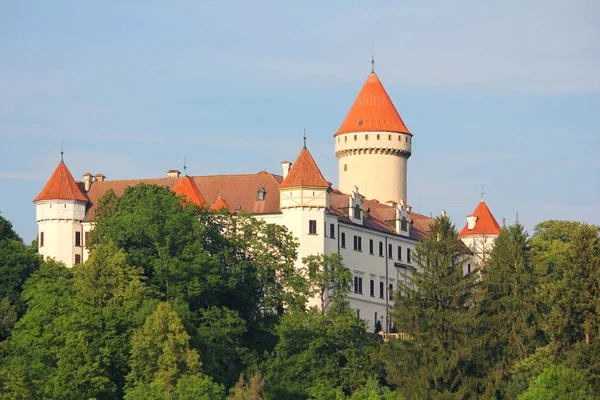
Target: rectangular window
{"points": [[391, 291], [390, 254], [358, 285], [77, 238], [41, 244], [400, 253], [355, 242], [77, 258], [86, 237], [343, 240], [381, 290], [372, 288], [359, 243], [404, 224], [370, 246], [407, 255], [332, 231], [312, 227], [380, 249]]}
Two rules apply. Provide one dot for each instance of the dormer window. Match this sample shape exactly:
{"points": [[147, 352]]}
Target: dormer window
{"points": [[356, 213], [261, 194], [403, 224]]}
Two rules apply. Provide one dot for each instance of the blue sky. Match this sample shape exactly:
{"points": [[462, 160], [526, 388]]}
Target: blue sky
{"points": [[502, 94]]}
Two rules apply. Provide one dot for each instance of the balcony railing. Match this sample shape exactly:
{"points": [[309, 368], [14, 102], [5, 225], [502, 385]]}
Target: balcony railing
{"points": [[401, 335]]}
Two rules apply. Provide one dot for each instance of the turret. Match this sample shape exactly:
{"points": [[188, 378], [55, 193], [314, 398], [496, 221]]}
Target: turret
{"points": [[479, 234], [60, 209], [373, 146]]}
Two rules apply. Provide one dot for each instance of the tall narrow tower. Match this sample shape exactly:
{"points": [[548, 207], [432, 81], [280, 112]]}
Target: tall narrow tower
{"points": [[373, 146]]}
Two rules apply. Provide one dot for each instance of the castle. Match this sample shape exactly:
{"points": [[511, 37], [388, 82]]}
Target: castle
{"points": [[367, 219]]}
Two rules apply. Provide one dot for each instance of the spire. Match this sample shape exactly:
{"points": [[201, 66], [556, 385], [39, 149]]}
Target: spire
{"points": [[304, 137], [62, 153], [485, 223], [304, 173], [373, 59], [184, 167], [481, 192], [373, 110], [61, 186]]}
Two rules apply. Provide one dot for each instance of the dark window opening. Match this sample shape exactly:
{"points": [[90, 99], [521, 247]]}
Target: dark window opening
{"points": [[332, 231], [312, 227], [357, 211], [77, 238], [404, 224], [343, 239], [400, 253], [468, 268], [391, 291], [358, 285], [77, 258], [380, 249], [370, 246], [372, 288], [390, 254], [381, 290], [261, 194], [41, 239], [407, 255], [357, 243]]}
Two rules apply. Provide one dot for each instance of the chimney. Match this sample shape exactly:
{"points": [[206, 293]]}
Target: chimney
{"points": [[471, 219], [409, 208], [100, 178], [173, 173], [87, 181], [286, 165]]}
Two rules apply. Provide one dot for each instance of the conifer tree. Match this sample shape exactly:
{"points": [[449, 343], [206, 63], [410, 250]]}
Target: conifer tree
{"points": [[507, 310], [435, 307]]}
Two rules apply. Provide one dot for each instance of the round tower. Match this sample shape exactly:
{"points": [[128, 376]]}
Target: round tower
{"points": [[60, 209], [373, 146]]}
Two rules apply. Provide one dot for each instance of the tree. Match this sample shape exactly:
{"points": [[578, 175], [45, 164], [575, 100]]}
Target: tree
{"points": [[329, 279], [161, 355], [251, 390], [507, 313], [436, 308], [317, 350], [559, 382]]}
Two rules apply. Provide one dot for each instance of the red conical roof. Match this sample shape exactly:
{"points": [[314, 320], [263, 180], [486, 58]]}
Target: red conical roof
{"points": [[187, 187], [304, 173], [61, 186], [484, 225], [373, 111], [220, 204]]}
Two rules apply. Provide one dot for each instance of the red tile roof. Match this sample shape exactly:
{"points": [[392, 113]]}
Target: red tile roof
{"points": [[220, 204], [485, 224], [239, 190], [373, 111], [188, 189], [304, 173], [61, 186]]}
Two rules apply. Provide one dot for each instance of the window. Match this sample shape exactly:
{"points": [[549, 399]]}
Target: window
{"points": [[381, 290], [358, 285], [377, 137], [366, 137], [77, 258], [370, 246], [390, 254], [380, 249], [391, 291], [262, 193], [357, 243], [345, 167], [354, 137], [389, 137], [468, 268], [312, 227], [400, 253], [77, 238], [372, 288], [332, 231], [41, 239], [356, 213], [407, 255], [403, 224], [86, 237], [345, 138], [343, 239]]}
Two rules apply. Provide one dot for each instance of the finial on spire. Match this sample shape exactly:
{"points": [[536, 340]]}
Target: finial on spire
{"points": [[373, 58], [62, 153], [184, 167], [481, 192], [304, 137]]}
